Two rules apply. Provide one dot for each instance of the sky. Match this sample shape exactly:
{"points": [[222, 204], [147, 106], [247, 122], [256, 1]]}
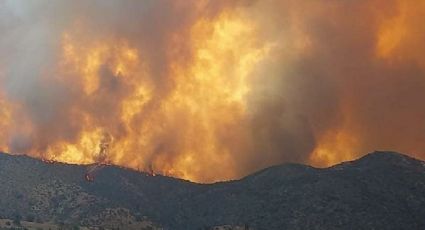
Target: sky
{"points": [[211, 90]]}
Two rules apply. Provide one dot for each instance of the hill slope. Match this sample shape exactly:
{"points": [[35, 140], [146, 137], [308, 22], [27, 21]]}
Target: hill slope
{"points": [[382, 190]]}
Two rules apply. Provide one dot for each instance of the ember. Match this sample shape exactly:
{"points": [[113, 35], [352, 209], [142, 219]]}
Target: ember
{"points": [[49, 161]]}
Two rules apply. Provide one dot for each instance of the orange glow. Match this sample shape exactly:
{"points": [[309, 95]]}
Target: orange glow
{"points": [[5, 122], [214, 90], [400, 36], [392, 32], [10, 113], [209, 92], [334, 147]]}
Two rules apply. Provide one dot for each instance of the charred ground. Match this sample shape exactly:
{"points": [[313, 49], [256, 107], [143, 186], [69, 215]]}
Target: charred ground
{"points": [[382, 190]]}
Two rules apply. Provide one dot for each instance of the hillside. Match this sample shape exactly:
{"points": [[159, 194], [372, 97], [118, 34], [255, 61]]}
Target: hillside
{"points": [[382, 190]]}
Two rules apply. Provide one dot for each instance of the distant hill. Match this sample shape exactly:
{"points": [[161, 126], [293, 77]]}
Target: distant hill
{"points": [[382, 190]]}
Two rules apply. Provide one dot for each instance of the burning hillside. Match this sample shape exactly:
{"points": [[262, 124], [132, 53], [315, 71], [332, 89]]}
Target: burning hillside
{"points": [[211, 90]]}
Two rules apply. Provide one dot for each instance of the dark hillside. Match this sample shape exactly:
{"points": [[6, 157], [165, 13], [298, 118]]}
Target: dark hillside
{"points": [[382, 190]]}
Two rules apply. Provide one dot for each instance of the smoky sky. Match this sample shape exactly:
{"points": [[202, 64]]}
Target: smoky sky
{"points": [[331, 81]]}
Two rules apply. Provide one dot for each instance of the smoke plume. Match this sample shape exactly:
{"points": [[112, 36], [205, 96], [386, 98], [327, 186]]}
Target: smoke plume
{"points": [[211, 90]]}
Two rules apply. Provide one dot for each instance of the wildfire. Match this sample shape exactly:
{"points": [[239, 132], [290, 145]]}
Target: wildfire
{"points": [[208, 96], [212, 90], [5, 121], [48, 161]]}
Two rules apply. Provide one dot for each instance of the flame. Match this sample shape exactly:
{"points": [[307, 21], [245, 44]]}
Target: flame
{"points": [[5, 122], [5, 116], [11, 113], [334, 147], [85, 60], [214, 90], [399, 37], [210, 91]]}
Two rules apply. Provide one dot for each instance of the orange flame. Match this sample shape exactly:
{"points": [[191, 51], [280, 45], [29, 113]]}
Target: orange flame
{"points": [[231, 88], [209, 93]]}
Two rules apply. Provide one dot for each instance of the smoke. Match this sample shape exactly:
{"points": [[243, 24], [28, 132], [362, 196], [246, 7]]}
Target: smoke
{"points": [[211, 90]]}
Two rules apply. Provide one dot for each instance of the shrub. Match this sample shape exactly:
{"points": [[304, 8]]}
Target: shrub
{"points": [[30, 218], [17, 220]]}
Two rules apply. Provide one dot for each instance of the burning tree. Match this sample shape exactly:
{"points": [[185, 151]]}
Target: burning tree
{"points": [[101, 157]]}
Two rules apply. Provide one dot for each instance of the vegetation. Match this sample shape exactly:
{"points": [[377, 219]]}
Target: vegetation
{"points": [[378, 191]]}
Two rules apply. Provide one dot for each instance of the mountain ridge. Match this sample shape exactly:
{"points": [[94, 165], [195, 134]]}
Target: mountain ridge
{"points": [[382, 190]]}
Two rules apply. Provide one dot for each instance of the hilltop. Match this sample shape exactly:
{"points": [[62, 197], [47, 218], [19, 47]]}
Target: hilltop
{"points": [[382, 190]]}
